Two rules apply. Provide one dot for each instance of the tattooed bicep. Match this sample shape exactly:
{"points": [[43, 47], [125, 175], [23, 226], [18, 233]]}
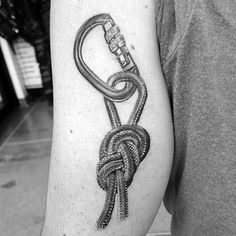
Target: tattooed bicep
{"points": [[126, 145], [112, 132]]}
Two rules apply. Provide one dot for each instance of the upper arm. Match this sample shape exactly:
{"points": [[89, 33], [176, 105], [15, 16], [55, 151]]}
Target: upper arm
{"points": [[81, 121]]}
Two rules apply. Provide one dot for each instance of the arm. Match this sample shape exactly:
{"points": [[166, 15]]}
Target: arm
{"points": [[75, 199]]}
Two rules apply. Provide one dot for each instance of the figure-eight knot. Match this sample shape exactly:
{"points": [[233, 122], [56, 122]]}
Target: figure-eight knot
{"points": [[121, 151]]}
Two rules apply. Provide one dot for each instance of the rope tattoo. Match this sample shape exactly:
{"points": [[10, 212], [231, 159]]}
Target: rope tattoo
{"points": [[125, 146]]}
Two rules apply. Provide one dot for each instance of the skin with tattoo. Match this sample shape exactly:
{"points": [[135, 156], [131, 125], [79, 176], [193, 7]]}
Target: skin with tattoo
{"points": [[125, 146], [112, 137]]}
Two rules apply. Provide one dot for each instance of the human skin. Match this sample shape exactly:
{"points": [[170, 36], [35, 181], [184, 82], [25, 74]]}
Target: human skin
{"points": [[75, 200]]}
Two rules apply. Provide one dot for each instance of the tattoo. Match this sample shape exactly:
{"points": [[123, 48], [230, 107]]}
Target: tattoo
{"points": [[125, 146]]}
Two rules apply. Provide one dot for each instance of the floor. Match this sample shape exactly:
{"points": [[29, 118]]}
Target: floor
{"points": [[25, 142]]}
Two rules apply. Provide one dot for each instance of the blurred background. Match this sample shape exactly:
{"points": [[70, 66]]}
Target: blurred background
{"points": [[26, 118]]}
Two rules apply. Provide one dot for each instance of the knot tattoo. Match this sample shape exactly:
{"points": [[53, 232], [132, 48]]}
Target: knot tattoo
{"points": [[121, 152], [126, 145]]}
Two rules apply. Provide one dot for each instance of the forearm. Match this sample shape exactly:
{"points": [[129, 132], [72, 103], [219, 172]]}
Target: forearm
{"points": [[75, 199]]}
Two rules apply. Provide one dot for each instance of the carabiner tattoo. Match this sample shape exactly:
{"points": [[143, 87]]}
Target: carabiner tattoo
{"points": [[116, 45]]}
